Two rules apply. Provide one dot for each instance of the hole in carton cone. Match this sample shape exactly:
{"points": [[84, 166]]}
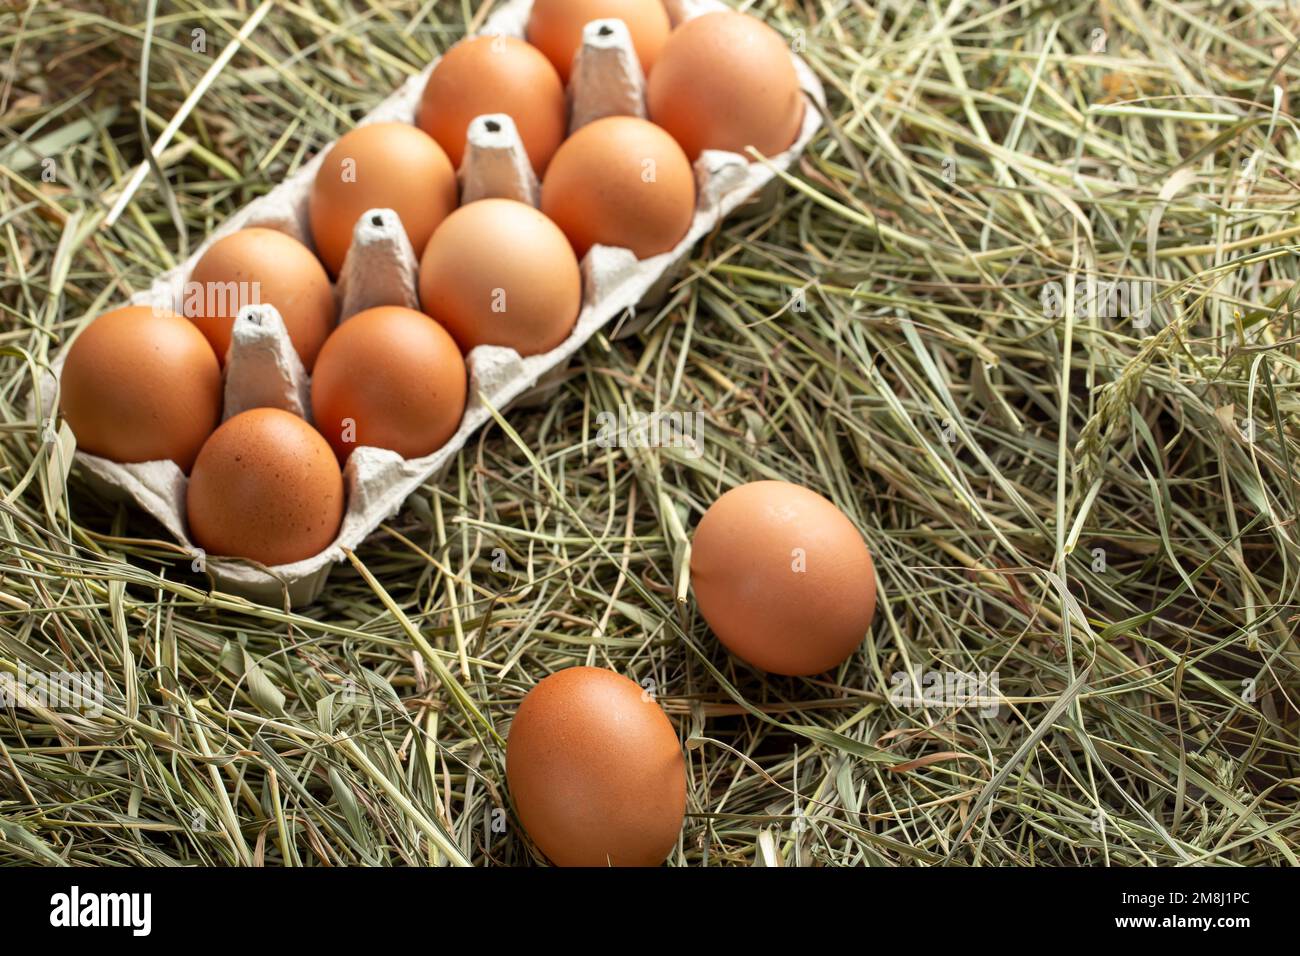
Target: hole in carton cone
{"points": [[605, 31], [377, 220], [492, 126]]}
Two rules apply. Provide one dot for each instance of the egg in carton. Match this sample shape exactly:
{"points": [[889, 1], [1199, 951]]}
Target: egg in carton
{"points": [[263, 370]]}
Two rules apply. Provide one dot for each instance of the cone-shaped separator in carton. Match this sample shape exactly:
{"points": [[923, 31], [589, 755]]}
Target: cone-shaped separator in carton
{"points": [[262, 368], [607, 79], [381, 268], [495, 164]]}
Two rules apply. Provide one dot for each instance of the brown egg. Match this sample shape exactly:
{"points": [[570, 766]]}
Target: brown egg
{"points": [[265, 487], [595, 771], [555, 27], [140, 385], [380, 166], [783, 578], [391, 378], [620, 181], [498, 272], [495, 74], [726, 81], [261, 267]]}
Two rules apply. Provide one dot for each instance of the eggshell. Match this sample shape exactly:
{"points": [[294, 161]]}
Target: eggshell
{"points": [[141, 385], [620, 181], [380, 166], [596, 771], [494, 74], [555, 27], [389, 377], [726, 81], [265, 487], [783, 578], [498, 272], [273, 269]]}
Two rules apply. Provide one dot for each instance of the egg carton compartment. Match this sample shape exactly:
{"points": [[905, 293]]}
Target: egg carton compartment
{"points": [[262, 368]]}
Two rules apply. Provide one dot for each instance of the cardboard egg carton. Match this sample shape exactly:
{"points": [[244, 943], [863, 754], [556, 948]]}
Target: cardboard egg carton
{"points": [[262, 368]]}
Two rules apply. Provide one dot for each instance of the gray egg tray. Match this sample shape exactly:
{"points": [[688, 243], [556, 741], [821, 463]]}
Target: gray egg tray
{"points": [[262, 368]]}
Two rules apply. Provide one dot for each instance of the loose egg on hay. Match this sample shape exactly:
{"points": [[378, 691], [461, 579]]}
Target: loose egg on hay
{"points": [[266, 487], [498, 272], [595, 771], [261, 267], [763, 555], [726, 81], [555, 27], [380, 166], [620, 181], [140, 384], [389, 377], [494, 74]]}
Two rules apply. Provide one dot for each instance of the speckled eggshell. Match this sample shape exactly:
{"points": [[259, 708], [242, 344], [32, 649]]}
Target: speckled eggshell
{"points": [[498, 272], [380, 166], [141, 385], [389, 377], [783, 578], [270, 268], [596, 771], [495, 74], [726, 81], [265, 487], [620, 181]]}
